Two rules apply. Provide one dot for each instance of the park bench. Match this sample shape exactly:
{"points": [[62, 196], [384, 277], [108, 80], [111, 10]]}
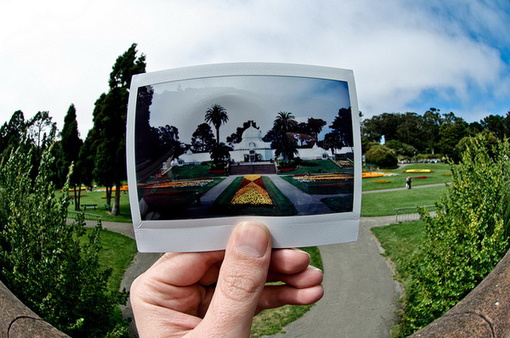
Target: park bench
{"points": [[85, 206]]}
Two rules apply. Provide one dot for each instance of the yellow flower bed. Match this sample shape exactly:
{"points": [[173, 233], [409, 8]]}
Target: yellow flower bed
{"points": [[252, 177], [328, 177], [252, 194], [418, 171], [371, 174]]}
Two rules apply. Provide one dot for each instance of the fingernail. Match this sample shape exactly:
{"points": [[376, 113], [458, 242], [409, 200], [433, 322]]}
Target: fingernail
{"points": [[252, 239]]}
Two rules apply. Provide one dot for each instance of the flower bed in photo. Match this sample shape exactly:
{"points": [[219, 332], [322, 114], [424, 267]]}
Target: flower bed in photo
{"points": [[252, 192]]}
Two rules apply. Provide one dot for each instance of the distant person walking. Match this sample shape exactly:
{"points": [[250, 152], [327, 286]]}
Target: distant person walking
{"points": [[408, 182]]}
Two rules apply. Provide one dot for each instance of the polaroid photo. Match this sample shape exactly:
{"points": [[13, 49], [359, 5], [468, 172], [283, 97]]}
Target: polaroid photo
{"points": [[213, 145]]}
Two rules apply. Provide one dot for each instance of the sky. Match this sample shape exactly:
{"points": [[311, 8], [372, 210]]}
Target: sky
{"points": [[258, 98], [406, 55]]}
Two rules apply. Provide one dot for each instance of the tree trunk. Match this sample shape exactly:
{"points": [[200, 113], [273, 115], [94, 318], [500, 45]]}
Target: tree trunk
{"points": [[116, 204], [109, 195], [77, 199]]}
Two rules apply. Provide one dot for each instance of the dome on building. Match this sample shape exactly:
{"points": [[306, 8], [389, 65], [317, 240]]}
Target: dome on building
{"points": [[252, 133]]}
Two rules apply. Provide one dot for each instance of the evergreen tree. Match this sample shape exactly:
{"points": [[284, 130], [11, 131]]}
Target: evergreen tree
{"points": [[110, 124], [71, 145]]}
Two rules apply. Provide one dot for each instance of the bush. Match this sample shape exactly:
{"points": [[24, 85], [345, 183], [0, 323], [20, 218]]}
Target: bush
{"points": [[42, 260], [381, 156], [465, 240]]}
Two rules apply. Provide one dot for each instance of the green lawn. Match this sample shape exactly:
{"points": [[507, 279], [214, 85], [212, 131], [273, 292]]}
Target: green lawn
{"points": [[384, 203], [392, 238], [99, 198], [441, 174], [117, 253], [273, 321]]}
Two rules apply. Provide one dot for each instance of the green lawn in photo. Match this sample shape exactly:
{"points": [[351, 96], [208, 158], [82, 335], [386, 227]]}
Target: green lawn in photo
{"points": [[281, 204], [171, 200], [331, 187], [313, 167], [192, 171], [384, 203], [441, 174]]}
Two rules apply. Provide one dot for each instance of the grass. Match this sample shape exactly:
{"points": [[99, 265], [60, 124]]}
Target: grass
{"points": [[117, 253], [96, 197], [313, 167], [273, 321], [393, 236], [192, 172], [384, 203], [441, 174]]}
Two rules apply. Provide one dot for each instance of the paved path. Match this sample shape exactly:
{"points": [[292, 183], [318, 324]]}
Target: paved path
{"points": [[360, 294]]}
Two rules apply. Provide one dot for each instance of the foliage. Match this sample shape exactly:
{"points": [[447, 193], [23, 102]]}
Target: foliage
{"points": [[216, 115], [381, 156], [110, 123], [466, 239], [42, 259]]}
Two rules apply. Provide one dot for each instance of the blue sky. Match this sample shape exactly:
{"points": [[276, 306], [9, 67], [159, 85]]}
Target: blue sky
{"points": [[406, 55]]}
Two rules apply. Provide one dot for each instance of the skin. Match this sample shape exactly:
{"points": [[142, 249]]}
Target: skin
{"points": [[216, 294]]}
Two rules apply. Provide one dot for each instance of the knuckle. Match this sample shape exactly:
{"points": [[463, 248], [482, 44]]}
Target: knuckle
{"points": [[238, 286]]}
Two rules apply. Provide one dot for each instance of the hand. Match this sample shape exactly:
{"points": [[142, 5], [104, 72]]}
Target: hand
{"points": [[216, 294]]}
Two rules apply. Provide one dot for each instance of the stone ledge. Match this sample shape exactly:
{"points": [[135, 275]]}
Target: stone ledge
{"points": [[17, 320], [484, 312]]}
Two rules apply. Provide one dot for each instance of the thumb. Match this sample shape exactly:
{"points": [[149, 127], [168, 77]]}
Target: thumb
{"points": [[241, 280]]}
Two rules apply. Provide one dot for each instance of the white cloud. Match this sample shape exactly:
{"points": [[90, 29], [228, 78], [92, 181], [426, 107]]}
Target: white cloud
{"points": [[55, 53]]}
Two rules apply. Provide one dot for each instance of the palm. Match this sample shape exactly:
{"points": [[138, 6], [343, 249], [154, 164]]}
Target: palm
{"points": [[216, 115]]}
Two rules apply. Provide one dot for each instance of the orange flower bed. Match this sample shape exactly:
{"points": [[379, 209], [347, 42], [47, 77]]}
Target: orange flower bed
{"points": [[252, 192]]}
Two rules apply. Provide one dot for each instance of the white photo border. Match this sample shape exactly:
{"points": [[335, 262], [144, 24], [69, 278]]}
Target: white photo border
{"points": [[208, 234]]}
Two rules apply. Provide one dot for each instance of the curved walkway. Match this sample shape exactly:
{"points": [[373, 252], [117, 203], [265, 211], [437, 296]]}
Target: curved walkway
{"points": [[360, 294]]}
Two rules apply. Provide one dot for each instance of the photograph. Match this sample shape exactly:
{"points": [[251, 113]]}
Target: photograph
{"points": [[243, 145]]}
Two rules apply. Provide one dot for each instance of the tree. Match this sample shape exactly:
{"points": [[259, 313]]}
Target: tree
{"points": [[467, 237], [51, 265], [314, 127], [41, 131], [452, 130], [282, 133], [110, 124], [12, 132], [202, 139], [381, 156], [216, 115], [71, 145], [220, 153], [495, 124]]}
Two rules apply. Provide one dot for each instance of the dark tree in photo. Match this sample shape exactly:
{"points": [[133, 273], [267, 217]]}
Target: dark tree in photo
{"points": [[216, 115]]}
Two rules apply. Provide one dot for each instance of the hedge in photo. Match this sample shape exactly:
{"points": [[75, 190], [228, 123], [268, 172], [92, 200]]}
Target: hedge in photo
{"points": [[465, 240]]}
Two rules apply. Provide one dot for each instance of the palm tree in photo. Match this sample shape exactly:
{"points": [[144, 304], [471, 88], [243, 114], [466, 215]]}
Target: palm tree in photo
{"points": [[284, 122], [216, 115], [284, 127]]}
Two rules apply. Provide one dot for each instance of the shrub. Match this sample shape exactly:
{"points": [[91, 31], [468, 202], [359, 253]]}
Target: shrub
{"points": [[465, 240], [381, 156], [42, 260]]}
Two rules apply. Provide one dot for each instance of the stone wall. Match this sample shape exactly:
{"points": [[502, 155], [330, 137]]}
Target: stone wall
{"points": [[17, 320], [484, 312]]}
